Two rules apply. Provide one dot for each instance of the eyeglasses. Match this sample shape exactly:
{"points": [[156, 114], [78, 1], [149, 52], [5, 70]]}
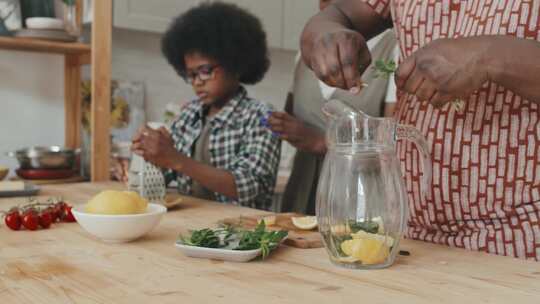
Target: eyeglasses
{"points": [[204, 72]]}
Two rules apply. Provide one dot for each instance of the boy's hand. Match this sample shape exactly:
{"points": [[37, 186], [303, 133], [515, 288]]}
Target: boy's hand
{"points": [[155, 146], [120, 169], [297, 133]]}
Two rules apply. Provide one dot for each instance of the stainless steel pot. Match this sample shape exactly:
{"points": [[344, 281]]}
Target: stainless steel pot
{"points": [[53, 157]]}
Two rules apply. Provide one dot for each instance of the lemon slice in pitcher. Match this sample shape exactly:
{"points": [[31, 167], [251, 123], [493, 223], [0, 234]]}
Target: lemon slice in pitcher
{"points": [[305, 222], [386, 239], [368, 251]]}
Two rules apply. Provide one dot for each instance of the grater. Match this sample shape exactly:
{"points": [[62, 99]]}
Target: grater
{"points": [[147, 180]]}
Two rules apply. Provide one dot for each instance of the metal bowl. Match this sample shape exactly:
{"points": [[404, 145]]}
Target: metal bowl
{"points": [[53, 157]]}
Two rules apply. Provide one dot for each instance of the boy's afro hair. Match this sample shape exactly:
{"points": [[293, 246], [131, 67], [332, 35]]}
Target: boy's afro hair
{"points": [[224, 32]]}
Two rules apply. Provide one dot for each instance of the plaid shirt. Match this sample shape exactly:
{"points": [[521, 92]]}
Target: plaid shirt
{"points": [[238, 144]]}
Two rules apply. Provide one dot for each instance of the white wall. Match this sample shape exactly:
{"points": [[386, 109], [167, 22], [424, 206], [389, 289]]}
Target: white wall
{"points": [[137, 56], [31, 101], [31, 88]]}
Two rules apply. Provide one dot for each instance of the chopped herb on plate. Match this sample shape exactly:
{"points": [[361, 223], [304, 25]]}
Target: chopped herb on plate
{"points": [[232, 238]]}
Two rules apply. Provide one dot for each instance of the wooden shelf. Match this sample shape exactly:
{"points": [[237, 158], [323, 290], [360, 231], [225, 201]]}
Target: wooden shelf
{"points": [[98, 54], [44, 46]]}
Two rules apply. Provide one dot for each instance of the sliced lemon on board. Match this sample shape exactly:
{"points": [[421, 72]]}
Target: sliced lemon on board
{"points": [[305, 222]]}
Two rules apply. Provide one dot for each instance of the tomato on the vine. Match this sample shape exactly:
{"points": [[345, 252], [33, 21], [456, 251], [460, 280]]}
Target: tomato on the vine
{"points": [[30, 220], [46, 218], [68, 215], [35, 214], [13, 219], [59, 210]]}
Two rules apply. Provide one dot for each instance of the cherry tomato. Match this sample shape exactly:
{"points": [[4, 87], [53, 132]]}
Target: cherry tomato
{"points": [[59, 210], [30, 220], [68, 215], [46, 218], [54, 215], [13, 220]]}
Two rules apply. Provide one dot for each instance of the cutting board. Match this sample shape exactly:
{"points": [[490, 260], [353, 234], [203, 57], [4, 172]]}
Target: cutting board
{"points": [[297, 238]]}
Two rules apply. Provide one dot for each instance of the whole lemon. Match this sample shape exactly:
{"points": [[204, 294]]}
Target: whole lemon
{"points": [[112, 202]]}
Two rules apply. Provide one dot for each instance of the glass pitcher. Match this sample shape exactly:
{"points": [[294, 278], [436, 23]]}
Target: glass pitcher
{"points": [[361, 198]]}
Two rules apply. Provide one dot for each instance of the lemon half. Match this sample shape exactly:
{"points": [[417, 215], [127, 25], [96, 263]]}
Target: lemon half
{"points": [[111, 202], [305, 222]]}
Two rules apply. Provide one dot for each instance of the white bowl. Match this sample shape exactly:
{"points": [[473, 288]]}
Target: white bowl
{"points": [[119, 228]]}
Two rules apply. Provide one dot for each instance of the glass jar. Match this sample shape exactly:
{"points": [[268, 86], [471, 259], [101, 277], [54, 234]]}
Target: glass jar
{"points": [[71, 25]]}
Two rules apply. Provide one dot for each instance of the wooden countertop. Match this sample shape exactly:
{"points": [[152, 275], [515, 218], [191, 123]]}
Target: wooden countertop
{"points": [[65, 265]]}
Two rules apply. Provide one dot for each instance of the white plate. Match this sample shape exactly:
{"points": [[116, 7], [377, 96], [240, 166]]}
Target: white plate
{"points": [[218, 253]]}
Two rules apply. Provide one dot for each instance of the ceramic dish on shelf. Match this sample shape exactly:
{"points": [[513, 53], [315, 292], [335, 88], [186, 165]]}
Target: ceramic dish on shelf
{"points": [[44, 23]]}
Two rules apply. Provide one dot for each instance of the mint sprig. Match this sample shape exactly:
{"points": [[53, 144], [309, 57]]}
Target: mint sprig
{"points": [[385, 69], [259, 238]]}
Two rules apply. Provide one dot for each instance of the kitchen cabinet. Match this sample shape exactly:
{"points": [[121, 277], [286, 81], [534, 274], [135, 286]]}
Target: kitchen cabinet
{"points": [[283, 20], [151, 16]]}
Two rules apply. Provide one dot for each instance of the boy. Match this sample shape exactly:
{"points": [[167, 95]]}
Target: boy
{"points": [[217, 149]]}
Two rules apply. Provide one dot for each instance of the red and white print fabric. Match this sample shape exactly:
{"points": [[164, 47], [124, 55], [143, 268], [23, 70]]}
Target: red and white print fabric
{"points": [[485, 192]]}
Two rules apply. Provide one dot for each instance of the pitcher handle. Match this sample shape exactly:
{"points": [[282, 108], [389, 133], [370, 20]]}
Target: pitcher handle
{"points": [[412, 134]]}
